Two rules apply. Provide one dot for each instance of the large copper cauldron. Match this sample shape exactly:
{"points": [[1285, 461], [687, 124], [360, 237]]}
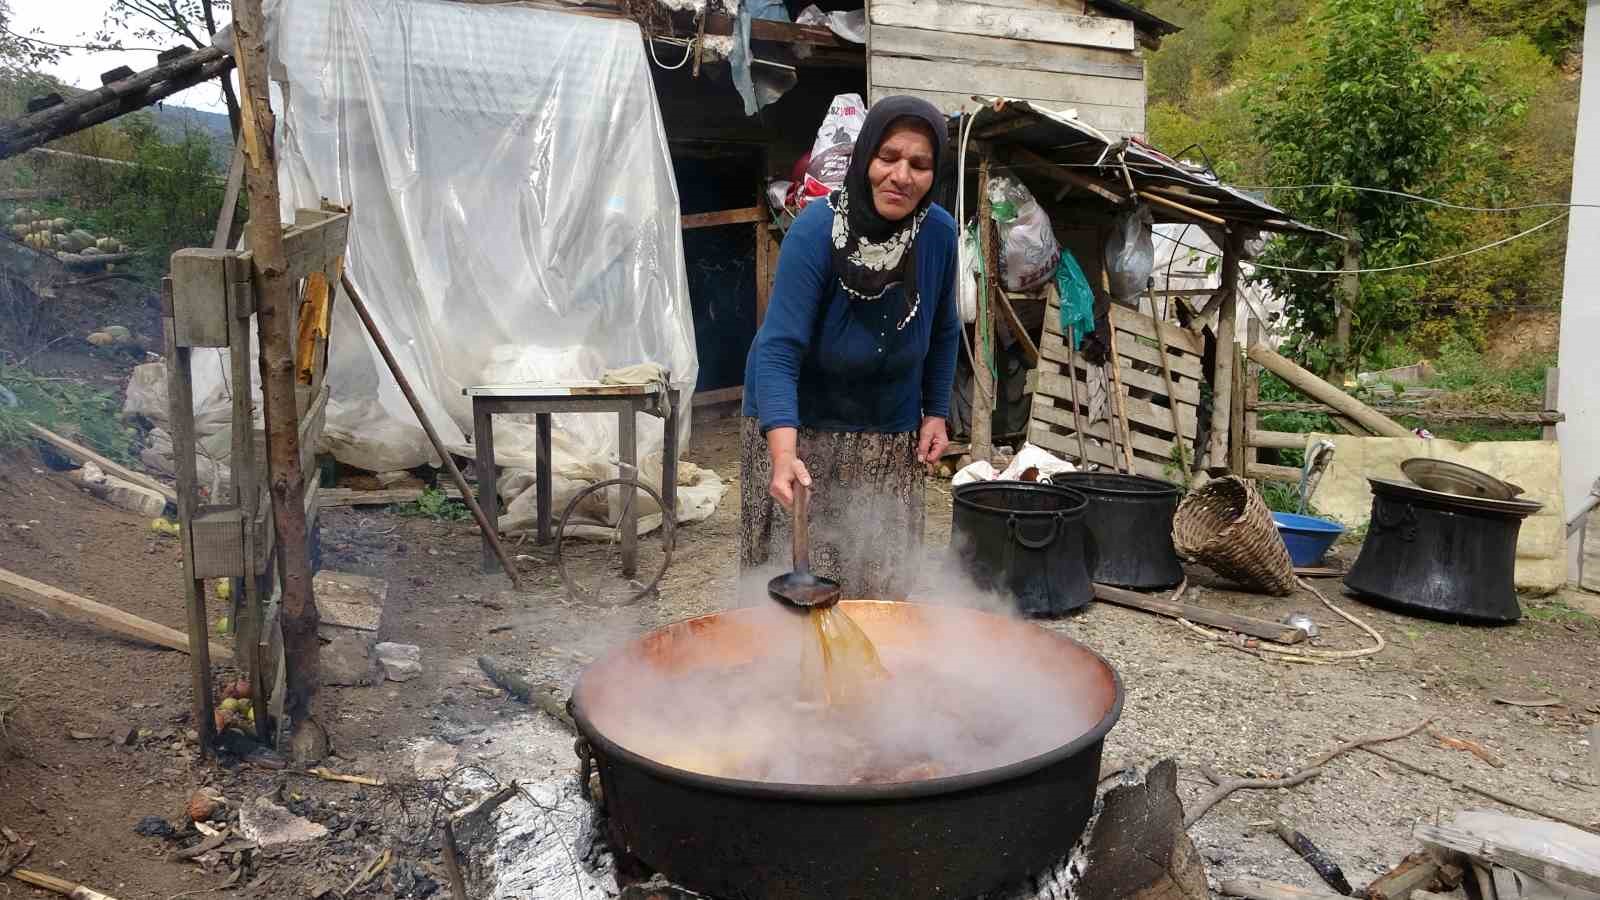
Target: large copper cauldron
{"points": [[945, 836]]}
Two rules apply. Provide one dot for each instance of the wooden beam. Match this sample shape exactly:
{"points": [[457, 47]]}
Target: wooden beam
{"points": [[1551, 399], [1275, 440], [724, 217], [223, 236], [84, 455], [1487, 416], [1236, 412], [1276, 632], [1578, 867], [780, 32], [1029, 348], [720, 395], [89, 100], [1222, 373], [1059, 173], [1268, 472], [1186, 210], [993, 51], [24, 591], [1322, 391], [979, 428], [960, 76]]}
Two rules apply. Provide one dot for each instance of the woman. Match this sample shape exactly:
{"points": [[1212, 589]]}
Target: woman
{"points": [[847, 385]]}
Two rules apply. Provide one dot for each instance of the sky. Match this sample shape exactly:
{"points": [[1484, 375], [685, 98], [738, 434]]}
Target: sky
{"points": [[75, 22]]}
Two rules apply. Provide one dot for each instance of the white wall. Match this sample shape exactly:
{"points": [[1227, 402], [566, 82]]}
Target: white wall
{"points": [[1579, 387]]}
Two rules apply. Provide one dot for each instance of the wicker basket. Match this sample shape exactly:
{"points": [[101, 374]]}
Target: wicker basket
{"points": [[1226, 527]]}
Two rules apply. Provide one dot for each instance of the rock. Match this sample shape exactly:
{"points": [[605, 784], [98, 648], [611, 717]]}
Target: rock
{"points": [[434, 759], [100, 339], [346, 661], [400, 662], [154, 826], [270, 825], [309, 743], [91, 251], [118, 333], [87, 475]]}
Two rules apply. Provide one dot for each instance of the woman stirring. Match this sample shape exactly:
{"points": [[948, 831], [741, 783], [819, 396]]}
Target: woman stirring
{"points": [[847, 385]]}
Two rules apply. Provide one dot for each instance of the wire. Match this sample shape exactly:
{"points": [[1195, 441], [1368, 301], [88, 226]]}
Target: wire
{"points": [[688, 51], [1427, 262]]}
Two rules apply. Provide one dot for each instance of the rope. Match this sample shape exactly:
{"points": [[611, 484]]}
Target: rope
{"points": [[1310, 655], [688, 51]]}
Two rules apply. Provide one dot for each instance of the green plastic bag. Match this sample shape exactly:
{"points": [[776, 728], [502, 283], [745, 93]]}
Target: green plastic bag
{"points": [[1077, 300]]}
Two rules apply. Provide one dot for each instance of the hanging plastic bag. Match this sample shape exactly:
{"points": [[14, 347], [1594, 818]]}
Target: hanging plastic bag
{"points": [[1130, 256], [830, 152], [1076, 298], [1028, 248], [971, 275]]}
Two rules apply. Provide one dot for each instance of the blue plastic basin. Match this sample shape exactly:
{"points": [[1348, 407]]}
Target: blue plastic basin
{"points": [[1307, 537]]}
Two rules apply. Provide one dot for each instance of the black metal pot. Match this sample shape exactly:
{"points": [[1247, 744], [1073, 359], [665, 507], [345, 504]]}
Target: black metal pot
{"points": [[1026, 540], [951, 837], [1129, 522], [1444, 555]]}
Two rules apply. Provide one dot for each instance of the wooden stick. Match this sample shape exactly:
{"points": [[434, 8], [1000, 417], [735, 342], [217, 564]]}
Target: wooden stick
{"points": [[37, 595], [1360, 743], [1029, 348], [1226, 786], [84, 455], [58, 886], [1186, 210], [230, 203], [742, 216], [491, 530], [452, 856], [1316, 857], [275, 313], [1261, 889], [1072, 383], [1259, 628], [483, 806], [1116, 397], [1417, 870], [1166, 372], [371, 871], [1326, 393], [539, 695], [1489, 795], [327, 774], [1178, 192]]}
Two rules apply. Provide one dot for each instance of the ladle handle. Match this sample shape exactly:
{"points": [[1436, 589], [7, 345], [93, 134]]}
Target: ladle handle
{"points": [[801, 537]]}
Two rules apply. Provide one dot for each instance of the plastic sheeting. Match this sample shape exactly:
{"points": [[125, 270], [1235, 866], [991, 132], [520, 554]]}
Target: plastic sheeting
{"points": [[513, 213], [1188, 257]]}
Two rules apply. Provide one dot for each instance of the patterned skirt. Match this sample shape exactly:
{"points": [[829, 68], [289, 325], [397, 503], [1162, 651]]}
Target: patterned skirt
{"points": [[868, 508]]}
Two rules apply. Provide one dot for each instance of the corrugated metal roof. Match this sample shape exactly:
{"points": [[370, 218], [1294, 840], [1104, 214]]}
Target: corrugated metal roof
{"points": [[1053, 140]]}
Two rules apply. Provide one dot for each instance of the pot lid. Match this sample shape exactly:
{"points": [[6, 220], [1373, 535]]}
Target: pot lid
{"points": [[1454, 478], [1518, 508]]}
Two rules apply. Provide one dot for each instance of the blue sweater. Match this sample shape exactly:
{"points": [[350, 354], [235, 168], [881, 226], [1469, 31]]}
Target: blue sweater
{"points": [[825, 361]]}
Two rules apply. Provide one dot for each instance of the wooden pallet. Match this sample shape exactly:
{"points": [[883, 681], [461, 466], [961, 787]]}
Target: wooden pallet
{"points": [[1144, 392]]}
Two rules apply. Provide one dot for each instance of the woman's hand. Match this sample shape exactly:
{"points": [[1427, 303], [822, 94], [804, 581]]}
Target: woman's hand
{"points": [[932, 440], [788, 472]]}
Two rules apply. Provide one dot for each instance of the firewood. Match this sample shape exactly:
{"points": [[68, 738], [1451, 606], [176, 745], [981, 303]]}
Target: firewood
{"points": [[1261, 889], [1419, 870], [1320, 861]]}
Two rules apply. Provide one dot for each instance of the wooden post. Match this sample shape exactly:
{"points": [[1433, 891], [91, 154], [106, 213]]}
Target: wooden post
{"points": [[980, 431], [1236, 414], [181, 401], [275, 309], [1551, 398], [1252, 391], [1222, 373], [1327, 394], [1349, 294]]}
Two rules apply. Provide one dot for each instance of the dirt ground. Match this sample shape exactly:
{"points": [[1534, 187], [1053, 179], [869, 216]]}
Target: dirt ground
{"points": [[71, 786]]}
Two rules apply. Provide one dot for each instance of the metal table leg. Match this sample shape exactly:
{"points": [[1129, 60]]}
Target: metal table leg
{"points": [[541, 472], [627, 444], [488, 493]]}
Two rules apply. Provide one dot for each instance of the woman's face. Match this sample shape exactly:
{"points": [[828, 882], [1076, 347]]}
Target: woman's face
{"points": [[901, 172]]}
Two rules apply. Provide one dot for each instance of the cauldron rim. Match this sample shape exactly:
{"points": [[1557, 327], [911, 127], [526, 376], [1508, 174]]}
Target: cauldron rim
{"points": [[1086, 482], [962, 496], [859, 793], [1459, 503]]}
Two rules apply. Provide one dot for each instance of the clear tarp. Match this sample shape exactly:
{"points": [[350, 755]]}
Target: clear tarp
{"points": [[513, 213]]}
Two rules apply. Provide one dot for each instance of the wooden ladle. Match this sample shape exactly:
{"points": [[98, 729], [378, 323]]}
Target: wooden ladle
{"points": [[800, 590]]}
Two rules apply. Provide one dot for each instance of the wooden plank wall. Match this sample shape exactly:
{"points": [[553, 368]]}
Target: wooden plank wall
{"points": [[1040, 50], [1144, 393]]}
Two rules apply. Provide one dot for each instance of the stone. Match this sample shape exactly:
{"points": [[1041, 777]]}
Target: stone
{"points": [[347, 662], [154, 826], [118, 333], [270, 825], [434, 759], [400, 662]]}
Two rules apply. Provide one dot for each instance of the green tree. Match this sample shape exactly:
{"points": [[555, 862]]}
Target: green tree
{"points": [[1372, 106]]}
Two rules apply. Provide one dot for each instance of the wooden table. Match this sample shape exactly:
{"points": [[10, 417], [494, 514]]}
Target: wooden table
{"points": [[546, 398]]}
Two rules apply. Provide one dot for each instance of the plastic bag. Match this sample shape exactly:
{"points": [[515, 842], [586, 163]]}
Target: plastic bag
{"points": [[1028, 248], [1076, 299], [1130, 256], [830, 152], [971, 275]]}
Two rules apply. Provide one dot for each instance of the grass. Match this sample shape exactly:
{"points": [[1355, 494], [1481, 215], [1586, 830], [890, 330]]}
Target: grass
{"points": [[1557, 612], [433, 504], [78, 411]]}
